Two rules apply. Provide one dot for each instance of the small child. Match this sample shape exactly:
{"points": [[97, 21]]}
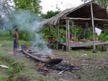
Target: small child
{"points": [[62, 39]]}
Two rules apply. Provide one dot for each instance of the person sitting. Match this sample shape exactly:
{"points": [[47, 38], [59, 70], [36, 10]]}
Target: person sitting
{"points": [[62, 39], [50, 41]]}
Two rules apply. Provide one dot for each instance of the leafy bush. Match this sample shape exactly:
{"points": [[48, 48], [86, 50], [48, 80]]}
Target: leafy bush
{"points": [[76, 32], [47, 32], [5, 35], [26, 35], [104, 35], [8, 35]]}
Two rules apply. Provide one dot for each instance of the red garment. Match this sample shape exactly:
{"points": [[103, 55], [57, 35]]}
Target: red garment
{"points": [[70, 36], [49, 41]]}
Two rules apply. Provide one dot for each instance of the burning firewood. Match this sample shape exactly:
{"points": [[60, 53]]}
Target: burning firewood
{"points": [[40, 58]]}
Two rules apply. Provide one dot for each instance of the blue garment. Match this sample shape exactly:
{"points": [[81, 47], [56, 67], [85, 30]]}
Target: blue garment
{"points": [[15, 43]]}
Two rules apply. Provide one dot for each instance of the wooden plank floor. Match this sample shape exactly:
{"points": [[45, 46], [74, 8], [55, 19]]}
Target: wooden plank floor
{"points": [[85, 44]]}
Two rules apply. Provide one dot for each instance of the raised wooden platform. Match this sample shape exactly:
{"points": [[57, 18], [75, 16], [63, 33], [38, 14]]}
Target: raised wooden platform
{"points": [[74, 44], [85, 44]]}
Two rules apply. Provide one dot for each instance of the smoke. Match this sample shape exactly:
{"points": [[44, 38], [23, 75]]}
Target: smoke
{"points": [[5, 10], [32, 23], [40, 45], [25, 20]]}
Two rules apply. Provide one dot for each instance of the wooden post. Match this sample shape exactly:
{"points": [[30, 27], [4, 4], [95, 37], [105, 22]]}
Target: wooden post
{"points": [[67, 35], [57, 37], [92, 16], [72, 25], [72, 29]]}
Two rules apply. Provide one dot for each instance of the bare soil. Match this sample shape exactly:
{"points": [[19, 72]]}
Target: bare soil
{"points": [[84, 68]]}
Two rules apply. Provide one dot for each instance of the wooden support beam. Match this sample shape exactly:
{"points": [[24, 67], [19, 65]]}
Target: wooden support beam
{"points": [[70, 18], [58, 36], [92, 17], [67, 35], [100, 19]]}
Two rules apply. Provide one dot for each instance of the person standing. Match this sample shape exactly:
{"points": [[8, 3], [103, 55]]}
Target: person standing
{"points": [[70, 36], [15, 41]]}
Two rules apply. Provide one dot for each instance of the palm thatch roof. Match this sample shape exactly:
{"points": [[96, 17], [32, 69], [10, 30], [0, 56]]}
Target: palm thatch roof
{"points": [[82, 11], [54, 19]]}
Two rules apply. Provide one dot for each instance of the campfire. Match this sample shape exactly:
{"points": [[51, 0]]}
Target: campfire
{"points": [[40, 57], [48, 62]]}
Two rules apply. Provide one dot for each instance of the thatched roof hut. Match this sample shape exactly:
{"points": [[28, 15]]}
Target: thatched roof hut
{"points": [[88, 14], [80, 15]]}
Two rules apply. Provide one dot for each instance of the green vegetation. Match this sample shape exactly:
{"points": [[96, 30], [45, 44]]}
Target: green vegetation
{"points": [[3, 75], [6, 43], [32, 5], [47, 32], [104, 35], [77, 33], [19, 69], [49, 14], [102, 71], [5, 35], [103, 3], [89, 53], [8, 35], [15, 70]]}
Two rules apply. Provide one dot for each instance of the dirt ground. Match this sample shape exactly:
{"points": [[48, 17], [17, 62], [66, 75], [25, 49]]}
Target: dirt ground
{"points": [[78, 66]]}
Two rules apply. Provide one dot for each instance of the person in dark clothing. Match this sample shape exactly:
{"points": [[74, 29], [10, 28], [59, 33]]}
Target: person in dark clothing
{"points": [[15, 41]]}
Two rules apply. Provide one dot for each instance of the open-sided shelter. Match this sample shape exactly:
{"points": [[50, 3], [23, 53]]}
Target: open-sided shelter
{"points": [[90, 14]]}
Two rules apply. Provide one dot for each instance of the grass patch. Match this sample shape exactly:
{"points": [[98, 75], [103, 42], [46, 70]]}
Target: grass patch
{"points": [[19, 69], [5, 38], [15, 71], [102, 74], [3, 74], [99, 54], [8, 43]]}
